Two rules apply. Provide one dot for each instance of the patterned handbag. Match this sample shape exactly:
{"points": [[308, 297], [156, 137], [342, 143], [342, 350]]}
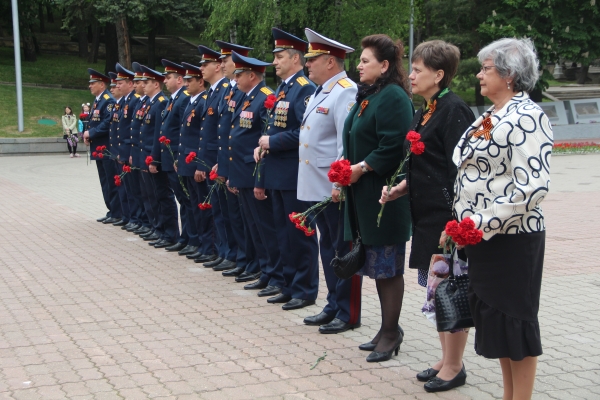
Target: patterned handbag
{"points": [[451, 303]]}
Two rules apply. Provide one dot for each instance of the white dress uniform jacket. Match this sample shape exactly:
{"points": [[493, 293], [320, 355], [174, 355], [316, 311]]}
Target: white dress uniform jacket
{"points": [[321, 136]]}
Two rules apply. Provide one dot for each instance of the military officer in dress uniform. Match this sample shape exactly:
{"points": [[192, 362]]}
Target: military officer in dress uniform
{"points": [[240, 245], [163, 217], [97, 134], [320, 145], [299, 253], [130, 100], [247, 125], [189, 138]]}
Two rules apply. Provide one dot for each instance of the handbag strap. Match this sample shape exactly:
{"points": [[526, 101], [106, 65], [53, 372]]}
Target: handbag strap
{"points": [[354, 217], [451, 275]]}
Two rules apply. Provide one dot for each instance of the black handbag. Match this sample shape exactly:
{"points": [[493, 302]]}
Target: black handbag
{"points": [[346, 266], [452, 309]]}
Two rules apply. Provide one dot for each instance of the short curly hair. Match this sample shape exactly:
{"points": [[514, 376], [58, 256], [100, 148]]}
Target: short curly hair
{"points": [[514, 58]]}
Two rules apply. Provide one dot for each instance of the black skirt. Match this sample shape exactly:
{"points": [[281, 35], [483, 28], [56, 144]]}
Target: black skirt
{"points": [[504, 294]]}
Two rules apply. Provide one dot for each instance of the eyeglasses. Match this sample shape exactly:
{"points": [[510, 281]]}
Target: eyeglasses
{"points": [[485, 68]]}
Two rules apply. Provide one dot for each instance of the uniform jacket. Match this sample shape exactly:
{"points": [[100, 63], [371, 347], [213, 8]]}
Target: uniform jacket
{"points": [[228, 104], [502, 181], [320, 141], [126, 112], [99, 123], [136, 126], [247, 125], [151, 126], [190, 134], [377, 137], [114, 125], [280, 167], [170, 124], [208, 145]]}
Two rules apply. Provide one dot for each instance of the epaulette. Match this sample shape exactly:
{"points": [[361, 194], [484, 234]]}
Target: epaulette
{"points": [[186, 93], [344, 83], [302, 81], [225, 84], [205, 97], [137, 95], [161, 99], [106, 96], [266, 90]]}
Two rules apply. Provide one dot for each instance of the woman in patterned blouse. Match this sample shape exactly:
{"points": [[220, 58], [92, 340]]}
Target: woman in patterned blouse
{"points": [[503, 162]]}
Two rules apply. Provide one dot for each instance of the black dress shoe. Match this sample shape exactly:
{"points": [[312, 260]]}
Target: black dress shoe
{"points": [[257, 285], [132, 227], [142, 230], [295, 304], [194, 255], [269, 291], [247, 277], [370, 346], [154, 237], [380, 356], [425, 376], [163, 244], [187, 250], [280, 298], [176, 247], [154, 242], [121, 223], [102, 219], [436, 384], [214, 263], [127, 225], [224, 265], [205, 258], [337, 326], [237, 271], [320, 319], [111, 220], [148, 233]]}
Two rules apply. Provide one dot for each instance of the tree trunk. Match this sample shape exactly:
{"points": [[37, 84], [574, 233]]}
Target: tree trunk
{"points": [[112, 47], [479, 100], [49, 14], [41, 18], [93, 56], [154, 24], [82, 39], [583, 73], [123, 42], [28, 47], [233, 35]]}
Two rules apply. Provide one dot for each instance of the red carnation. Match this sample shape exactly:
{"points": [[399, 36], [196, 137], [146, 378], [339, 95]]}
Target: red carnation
{"points": [[103, 148], [126, 168], [94, 154], [149, 160], [99, 148], [100, 155], [213, 175], [162, 139], [117, 180], [452, 228], [474, 236], [270, 101], [190, 157], [413, 136], [83, 115], [340, 172], [467, 224], [204, 206], [417, 148], [167, 142], [309, 231]]}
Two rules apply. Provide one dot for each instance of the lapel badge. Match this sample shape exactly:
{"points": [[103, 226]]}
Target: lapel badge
{"points": [[322, 110]]}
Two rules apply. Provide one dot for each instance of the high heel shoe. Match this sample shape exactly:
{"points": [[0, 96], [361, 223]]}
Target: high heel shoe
{"points": [[439, 385], [370, 346], [379, 356]]}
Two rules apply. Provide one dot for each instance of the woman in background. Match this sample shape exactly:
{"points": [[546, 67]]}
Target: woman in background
{"points": [[69, 123]]}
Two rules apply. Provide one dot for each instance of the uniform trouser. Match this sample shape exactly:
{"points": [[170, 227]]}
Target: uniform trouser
{"points": [[106, 173], [343, 295], [122, 190], [299, 253], [134, 195], [226, 244], [259, 216], [189, 233], [167, 208], [203, 219], [246, 254], [150, 202]]}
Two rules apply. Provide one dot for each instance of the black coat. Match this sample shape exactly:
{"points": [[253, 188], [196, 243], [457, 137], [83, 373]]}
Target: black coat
{"points": [[431, 175]]}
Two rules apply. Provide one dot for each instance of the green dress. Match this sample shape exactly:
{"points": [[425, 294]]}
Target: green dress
{"points": [[377, 137]]}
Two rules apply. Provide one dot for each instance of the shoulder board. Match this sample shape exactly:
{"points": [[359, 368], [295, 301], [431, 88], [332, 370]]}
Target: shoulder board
{"points": [[161, 99], [266, 91], [302, 81], [186, 93], [205, 97], [225, 84], [137, 95], [106, 96], [344, 83]]}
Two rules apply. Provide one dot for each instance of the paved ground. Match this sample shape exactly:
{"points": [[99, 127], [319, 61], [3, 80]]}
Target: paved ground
{"points": [[90, 312]]}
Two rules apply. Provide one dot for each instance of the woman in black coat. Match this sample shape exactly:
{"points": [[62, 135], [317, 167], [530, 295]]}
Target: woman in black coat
{"points": [[429, 184]]}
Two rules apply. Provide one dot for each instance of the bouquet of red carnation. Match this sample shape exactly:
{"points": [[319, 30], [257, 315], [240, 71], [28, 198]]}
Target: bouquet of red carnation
{"points": [[462, 234], [340, 171], [269, 104], [417, 148], [101, 152], [213, 176], [119, 178]]}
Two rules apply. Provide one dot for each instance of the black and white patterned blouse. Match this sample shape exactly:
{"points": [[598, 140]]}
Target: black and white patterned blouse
{"points": [[502, 181]]}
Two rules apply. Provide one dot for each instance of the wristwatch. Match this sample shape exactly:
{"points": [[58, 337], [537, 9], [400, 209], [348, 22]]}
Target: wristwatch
{"points": [[363, 167]]}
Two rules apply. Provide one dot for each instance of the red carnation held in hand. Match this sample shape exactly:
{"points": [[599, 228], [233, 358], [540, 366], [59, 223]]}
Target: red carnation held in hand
{"points": [[100, 155], [213, 175], [98, 148], [417, 148], [270, 101], [126, 168], [94, 154], [204, 206], [149, 160], [190, 157], [340, 172], [463, 233], [162, 139]]}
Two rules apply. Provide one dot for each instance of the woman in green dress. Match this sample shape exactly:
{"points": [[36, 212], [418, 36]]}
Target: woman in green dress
{"points": [[373, 136]]}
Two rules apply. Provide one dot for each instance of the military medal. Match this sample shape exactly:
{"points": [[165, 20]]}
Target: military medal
{"points": [[192, 115], [125, 110], [231, 105], [210, 111]]}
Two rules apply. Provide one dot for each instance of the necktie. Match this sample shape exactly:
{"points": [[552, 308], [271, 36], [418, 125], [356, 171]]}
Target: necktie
{"points": [[210, 92], [318, 90]]}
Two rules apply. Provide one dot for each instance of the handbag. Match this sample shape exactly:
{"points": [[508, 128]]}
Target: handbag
{"points": [[452, 304], [346, 266]]}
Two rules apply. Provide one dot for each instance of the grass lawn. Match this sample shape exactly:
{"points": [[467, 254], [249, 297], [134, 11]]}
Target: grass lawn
{"points": [[38, 103]]}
